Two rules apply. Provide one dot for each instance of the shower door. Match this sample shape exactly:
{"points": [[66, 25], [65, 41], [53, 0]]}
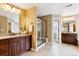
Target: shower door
{"points": [[40, 39]]}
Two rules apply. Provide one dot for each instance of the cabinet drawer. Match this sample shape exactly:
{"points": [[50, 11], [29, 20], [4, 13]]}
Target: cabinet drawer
{"points": [[3, 42], [4, 47], [3, 52]]}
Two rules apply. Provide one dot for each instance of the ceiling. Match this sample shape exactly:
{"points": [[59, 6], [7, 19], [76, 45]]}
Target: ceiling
{"points": [[51, 8]]}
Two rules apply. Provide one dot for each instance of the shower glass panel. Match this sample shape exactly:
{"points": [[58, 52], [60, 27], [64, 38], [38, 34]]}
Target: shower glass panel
{"points": [[40, 39]]}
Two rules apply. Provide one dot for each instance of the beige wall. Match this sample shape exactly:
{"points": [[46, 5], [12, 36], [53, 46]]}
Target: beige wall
{"points": [[27, 17], [44, 28], [31, 16], [49, 29], [22, 19]]}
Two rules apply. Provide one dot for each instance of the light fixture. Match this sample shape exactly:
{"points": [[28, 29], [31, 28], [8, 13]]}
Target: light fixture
{"points": [[68, 19], [7, 7], [13, 9], [18, 11], [1, 5], [10, 8], [30, 27]]}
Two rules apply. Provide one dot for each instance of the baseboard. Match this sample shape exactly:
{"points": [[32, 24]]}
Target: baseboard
{"points": [[35, 50], [32, 49], [40, 46]]}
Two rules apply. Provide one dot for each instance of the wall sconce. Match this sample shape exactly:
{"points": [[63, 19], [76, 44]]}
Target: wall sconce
{"points": [[30, 28]]}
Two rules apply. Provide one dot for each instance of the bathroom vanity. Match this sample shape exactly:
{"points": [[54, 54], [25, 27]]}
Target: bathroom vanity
{"points": [[69, 30], [70, 38], [14, 45]]}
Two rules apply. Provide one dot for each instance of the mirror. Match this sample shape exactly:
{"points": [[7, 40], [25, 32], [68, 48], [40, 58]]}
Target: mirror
{"points": [[9, 22], [69, 27]]}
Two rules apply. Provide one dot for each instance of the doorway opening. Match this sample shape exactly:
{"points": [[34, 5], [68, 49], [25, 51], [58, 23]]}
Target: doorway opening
{"points": [[55, 30]]}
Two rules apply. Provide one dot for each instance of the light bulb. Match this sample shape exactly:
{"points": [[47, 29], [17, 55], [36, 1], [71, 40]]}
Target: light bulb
{"points": [[13, 9], [18, 11], [7, 7]]}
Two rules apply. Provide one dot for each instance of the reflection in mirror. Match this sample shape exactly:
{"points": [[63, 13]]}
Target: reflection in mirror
{"points": [[69, 27], [69, 24], [9, 22], [65, 27]]}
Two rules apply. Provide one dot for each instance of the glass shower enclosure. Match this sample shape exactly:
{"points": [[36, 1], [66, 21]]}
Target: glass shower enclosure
{"points": [[40, 39]]}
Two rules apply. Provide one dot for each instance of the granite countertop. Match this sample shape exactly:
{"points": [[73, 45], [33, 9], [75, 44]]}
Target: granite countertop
{"points": [[6, 37]]}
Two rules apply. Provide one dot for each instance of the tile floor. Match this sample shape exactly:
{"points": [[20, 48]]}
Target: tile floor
{"points": [[55, 49]]}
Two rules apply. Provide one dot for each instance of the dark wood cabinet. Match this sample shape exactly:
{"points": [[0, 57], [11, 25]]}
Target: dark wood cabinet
{"points": [[28, 43], [4, 47], [22, 44], [70, 38], [15, 46]]}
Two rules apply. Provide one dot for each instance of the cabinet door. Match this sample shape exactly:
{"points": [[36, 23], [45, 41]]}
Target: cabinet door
{"points": [[4, 47], [14, 47], [22, 44], [28, 43], [19, 45]]}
